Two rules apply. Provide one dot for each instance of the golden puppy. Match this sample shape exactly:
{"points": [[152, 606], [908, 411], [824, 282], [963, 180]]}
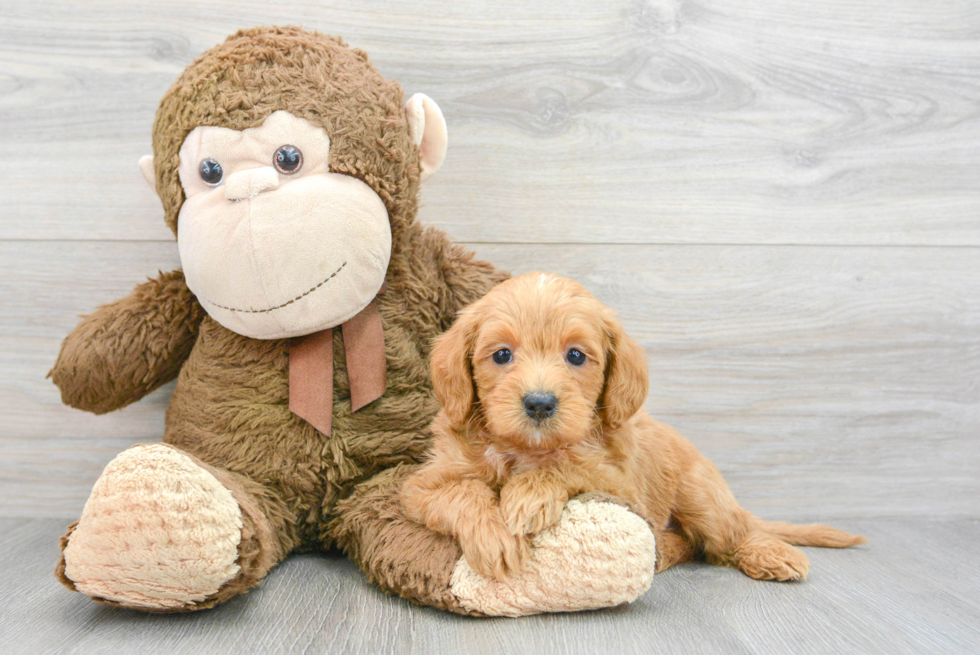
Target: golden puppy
{"points": [[542, 399]]}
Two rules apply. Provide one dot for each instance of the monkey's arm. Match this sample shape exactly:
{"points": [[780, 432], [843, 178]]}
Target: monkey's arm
{"points": [[468, 279], [445, 275], [128, 348]]}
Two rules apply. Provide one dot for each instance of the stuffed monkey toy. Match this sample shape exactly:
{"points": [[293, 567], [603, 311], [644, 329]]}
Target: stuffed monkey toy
{"points": [[298, 330]]}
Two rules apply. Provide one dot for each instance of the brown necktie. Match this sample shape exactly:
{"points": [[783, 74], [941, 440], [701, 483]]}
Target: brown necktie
{"points": [[311, 368]]}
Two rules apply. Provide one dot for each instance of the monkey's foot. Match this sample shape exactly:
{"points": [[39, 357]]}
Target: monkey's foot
{"points": [[158, 533], [599, 554]]}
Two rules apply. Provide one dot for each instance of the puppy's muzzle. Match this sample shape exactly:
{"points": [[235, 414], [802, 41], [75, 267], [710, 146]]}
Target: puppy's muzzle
{"points": [[540, 405]]}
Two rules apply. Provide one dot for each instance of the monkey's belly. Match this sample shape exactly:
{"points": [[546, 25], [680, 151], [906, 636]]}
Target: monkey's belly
{"points": [[231, 409]]}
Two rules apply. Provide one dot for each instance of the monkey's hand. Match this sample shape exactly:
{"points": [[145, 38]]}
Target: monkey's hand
{"points": [[532, 501], [128, 348]]}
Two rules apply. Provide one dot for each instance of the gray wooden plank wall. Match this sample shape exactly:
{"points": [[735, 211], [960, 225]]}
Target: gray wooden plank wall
{"points": [[782, 200]]}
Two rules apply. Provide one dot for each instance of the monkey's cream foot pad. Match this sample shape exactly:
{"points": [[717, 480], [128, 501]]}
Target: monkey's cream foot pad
{"points": [[599, 554], [158, 532]]}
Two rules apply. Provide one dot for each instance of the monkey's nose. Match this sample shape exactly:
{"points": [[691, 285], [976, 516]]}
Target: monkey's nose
{"points": [[540, 405], [248, 184]]}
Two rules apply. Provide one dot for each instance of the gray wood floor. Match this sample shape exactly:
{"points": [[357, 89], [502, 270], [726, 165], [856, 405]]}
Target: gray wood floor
{"points": [[912, 589]]}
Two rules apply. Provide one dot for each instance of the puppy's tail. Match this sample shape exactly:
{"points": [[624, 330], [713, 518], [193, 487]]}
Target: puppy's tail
{"points": [[814, 534]]}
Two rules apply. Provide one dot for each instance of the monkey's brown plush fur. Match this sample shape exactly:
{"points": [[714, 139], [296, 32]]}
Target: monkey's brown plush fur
{"points": [[297, 488], [241, 481]]}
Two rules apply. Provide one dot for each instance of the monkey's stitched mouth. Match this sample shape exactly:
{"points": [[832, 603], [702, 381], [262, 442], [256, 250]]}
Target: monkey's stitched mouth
{"points": [[288, 302]]}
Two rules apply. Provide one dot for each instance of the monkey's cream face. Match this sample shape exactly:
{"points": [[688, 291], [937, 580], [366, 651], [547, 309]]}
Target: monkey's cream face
{"points": [[272, 243]]}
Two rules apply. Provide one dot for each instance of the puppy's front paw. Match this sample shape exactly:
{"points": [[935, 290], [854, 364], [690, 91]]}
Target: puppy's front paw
{"points": [[491, 550], [529, 514]]}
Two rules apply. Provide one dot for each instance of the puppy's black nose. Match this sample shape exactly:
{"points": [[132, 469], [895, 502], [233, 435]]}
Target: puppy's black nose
{"points": [[539, 405]]}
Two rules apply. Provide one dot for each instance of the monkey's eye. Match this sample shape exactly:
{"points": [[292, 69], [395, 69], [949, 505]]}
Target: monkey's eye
{"points": [[211, 172], [575, 357], [502, 356], [288, 160]]}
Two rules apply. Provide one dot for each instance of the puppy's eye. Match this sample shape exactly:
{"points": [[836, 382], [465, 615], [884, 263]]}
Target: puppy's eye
{"points": [[575, 357], [288, 160], [502, 356], [211, 172]]}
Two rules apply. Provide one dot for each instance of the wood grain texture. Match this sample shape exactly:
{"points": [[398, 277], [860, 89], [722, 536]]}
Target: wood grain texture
{"points": [[667, 121], [824, 382], [907, 591]]}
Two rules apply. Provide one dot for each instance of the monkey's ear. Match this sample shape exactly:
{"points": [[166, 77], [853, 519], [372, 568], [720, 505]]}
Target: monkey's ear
{"points": [[427, 128], [146, 167]]}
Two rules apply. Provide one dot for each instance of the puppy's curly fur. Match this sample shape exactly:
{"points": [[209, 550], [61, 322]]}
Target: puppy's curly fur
{"points": [[542, 394]]}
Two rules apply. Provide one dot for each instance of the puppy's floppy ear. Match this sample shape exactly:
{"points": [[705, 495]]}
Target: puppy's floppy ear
{"points": [[627, 380], [452, 371]]}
